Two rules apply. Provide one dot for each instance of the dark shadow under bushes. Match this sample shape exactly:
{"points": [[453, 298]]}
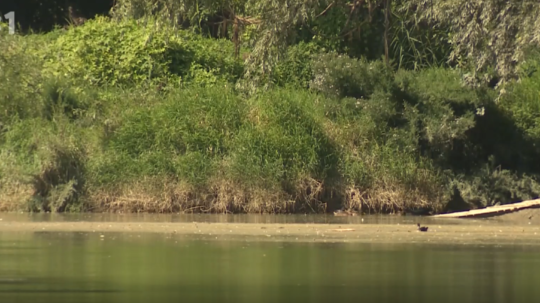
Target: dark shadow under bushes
{"points": [[487, 159], [51, 160], [491, 185], [60, 184], [497, 135], [477, 149]]}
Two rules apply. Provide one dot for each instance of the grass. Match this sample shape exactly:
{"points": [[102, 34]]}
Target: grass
{"points": [[362, 137], [195, 149]]}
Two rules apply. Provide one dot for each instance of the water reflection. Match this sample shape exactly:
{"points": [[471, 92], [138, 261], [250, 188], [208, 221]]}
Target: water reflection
{"points": [[519, 219], [84, 267]]}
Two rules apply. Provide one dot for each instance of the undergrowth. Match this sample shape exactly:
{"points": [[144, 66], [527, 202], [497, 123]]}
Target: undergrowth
{"points": [[115, 116]]}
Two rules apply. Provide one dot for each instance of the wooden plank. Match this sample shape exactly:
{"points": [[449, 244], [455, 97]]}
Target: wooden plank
{"points": [[493, 210]]}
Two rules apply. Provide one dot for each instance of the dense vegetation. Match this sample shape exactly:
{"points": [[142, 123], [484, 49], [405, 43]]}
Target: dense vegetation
{"points": [[168, 106]]}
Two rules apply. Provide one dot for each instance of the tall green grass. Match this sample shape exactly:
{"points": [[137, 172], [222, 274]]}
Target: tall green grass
{"points": [[116, 133]]}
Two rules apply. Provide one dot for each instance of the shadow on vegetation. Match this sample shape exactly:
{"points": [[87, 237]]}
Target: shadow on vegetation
{"points": [[158, 126]]}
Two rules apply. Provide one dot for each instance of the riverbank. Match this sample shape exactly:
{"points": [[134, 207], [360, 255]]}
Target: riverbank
{"points": [[470, 233], [182, 131]]}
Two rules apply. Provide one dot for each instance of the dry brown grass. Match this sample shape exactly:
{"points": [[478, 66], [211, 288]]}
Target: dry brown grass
{"points": [[14, 195], [160, 195], [390, 198], [221, 195], [145, 195]]}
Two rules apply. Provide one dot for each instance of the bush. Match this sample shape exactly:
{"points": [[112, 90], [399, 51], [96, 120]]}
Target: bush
{"points": [[104, 52], [486, 156], [128, 52], [440, 110], [522, 102], [495, 186], [213, 61], [52, 162], [364, 137], [341, 76], [382, 165], [20, 76], [295, 70]]}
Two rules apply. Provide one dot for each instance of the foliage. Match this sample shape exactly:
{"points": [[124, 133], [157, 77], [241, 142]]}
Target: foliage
{"points": [[284, 140], [495, 186], [93, 116], [103, 52], [20, 73], [126, 52], [419, 32], [296, 69], [53, 163], [195, 13], [340, 76], [193, 124], [485, 32], [439, 106], [522, 100], [416, 44], [212, 61], [275, 23]]}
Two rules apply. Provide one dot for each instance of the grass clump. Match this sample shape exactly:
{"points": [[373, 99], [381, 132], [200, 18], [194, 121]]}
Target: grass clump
{"points": [[190, 126]]}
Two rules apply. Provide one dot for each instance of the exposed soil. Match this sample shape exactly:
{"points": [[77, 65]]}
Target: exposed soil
{"points": [[469, 234], [526, 215]]}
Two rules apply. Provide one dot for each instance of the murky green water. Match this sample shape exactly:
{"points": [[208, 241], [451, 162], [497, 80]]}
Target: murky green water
{"points": [[85, 267]]}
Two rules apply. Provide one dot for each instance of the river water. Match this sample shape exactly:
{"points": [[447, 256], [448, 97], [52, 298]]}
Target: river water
{"points": [[43, 266]]}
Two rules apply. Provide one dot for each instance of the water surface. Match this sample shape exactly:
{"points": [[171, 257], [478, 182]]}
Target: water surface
{"points": [[131, 267]]}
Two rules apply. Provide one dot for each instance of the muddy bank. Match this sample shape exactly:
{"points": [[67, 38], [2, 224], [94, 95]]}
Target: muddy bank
{"points": [[494, 211], [469, 234], [526, 215]]}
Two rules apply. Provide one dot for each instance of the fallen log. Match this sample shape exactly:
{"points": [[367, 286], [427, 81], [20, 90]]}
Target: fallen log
{"points": [[492, 210]]}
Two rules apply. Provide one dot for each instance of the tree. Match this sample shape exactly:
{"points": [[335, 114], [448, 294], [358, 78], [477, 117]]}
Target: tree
{"points": [[485, 33], [276, 21]]}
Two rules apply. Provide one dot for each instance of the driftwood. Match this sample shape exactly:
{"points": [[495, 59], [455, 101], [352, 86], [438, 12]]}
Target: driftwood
{"points": [[493, 210], [342, 229]]}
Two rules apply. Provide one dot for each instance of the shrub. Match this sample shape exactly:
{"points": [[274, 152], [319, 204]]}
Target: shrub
{"points": [[105, 52], [52, 161], [495, 186], [20, 75], [522, 101], [440, 110], [295, 70], [213, 61], [341, 76], [129, 52], [464, 131]]}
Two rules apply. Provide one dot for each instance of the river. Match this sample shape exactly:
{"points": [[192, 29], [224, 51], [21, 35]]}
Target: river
{"points": [[213, 258]]}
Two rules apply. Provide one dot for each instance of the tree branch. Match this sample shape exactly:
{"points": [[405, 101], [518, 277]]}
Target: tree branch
{"points": [[326, 9]]}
